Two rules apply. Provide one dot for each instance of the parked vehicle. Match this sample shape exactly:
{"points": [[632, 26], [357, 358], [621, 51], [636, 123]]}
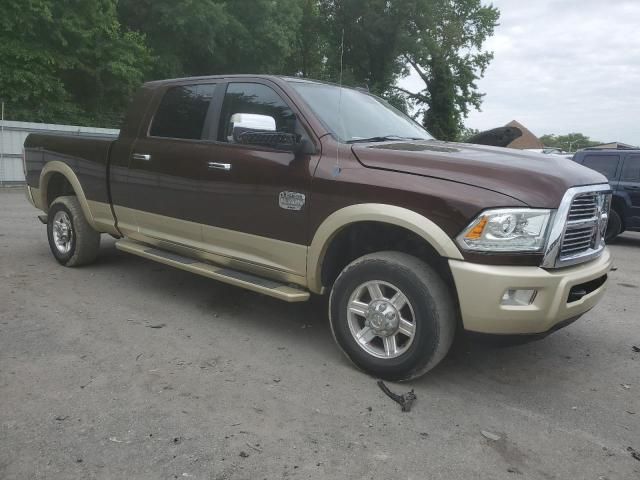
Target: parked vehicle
{"points": [[622, 169], [290, 187]]}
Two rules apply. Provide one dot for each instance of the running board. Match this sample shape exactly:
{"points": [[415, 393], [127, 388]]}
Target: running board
{"points": [[233, 277]]}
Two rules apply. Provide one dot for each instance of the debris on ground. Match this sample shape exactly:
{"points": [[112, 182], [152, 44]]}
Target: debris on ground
{"points": [[244, 454], [514, 470], [254, 447], [626, 386], [159, 325], [635, 348], [490, 435], [405, 400], [61, 418], [634, 453]]}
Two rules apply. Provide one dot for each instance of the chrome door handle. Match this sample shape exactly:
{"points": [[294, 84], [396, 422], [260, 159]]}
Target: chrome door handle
{"points": [[219, 166], [141, 156]]}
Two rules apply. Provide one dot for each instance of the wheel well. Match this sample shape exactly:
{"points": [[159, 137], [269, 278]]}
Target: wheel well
{"points": [[617, 204], [362, 238], [58, 186]]}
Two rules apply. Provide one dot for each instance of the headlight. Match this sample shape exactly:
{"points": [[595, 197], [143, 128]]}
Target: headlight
{"points": [[507, 230]]}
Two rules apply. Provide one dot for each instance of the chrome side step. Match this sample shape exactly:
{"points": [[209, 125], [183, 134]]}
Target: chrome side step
{"points": [[223, 274]]}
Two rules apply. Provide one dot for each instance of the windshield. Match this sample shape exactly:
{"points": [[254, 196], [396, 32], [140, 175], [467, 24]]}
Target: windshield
{"points": [[362, 116]]}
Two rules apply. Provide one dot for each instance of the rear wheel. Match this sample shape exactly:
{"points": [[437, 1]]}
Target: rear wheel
{"points": [[614, 226], [392, 315], [72, 240]]}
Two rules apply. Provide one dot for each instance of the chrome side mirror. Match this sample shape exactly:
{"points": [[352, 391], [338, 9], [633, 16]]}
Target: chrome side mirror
{"points": [[254, 129]]}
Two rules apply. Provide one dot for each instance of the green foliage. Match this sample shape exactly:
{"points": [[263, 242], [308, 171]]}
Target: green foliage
{"points": [[79, 61], [569, 143], [68, 61], [447, 55], [467, 133]]}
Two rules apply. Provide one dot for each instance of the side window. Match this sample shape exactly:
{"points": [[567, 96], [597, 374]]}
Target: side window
{"points": [[182, 112], [605, 164], [631, 170], [250, 103]]}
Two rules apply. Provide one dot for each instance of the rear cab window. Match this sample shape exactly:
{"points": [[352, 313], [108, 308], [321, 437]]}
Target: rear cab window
{"points": [[604, 164], [182, 113]]}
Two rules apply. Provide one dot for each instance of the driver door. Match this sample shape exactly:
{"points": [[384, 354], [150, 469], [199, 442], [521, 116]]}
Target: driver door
{"points": [[256, 197]]}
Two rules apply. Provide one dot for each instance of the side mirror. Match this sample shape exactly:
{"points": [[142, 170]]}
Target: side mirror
{"points": [[255, 129]]}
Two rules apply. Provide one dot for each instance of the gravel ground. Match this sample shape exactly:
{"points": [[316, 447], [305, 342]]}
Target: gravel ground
{"points": [[130, 369]]}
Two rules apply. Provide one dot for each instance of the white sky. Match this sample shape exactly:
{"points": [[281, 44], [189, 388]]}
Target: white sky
{"points": [[563, 66]]}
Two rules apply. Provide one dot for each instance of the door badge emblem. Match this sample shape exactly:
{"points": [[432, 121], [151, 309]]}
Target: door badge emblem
{"points": [[291, 200]]}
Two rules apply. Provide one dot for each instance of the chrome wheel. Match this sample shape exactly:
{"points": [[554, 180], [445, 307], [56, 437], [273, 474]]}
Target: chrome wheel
{"points": [[62, 230], [381, 319]]}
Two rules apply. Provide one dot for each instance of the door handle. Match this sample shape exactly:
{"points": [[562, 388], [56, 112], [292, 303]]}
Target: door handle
{"points": [[141, 156], [632, 187], [219, 166]]}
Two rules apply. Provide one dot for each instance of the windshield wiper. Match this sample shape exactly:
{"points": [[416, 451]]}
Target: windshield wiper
{"points": [[384, 138]]}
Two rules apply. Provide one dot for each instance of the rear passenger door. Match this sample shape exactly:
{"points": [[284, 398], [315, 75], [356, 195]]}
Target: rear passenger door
{"points": [[630, 187], [169, 162]]}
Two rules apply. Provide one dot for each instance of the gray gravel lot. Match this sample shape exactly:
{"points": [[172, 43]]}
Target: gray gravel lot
{"points": [[234, 385]]}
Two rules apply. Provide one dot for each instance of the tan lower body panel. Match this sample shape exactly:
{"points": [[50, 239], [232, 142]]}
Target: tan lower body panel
{"points": [[481, 287], [99, 213], [282, 261], [249, 282]]}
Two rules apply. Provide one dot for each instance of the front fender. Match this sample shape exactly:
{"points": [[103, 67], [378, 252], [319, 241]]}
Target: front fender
{"points": [[373, 212]]}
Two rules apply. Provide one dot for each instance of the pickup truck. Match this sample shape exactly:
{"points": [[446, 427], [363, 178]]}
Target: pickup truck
{"points": [[291, 187]]}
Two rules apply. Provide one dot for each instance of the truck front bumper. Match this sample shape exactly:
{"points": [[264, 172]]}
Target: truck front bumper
{"points": [[561, 295]]}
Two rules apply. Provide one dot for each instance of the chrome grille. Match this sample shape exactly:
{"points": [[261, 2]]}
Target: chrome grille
{"points": [[583, 207], [578, 227], [584, 230]]}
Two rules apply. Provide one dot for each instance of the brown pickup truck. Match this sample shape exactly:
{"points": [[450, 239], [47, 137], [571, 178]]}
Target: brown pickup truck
{"points": [[289, 187]]}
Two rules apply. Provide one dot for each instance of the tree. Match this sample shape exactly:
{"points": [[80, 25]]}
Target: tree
{"points": [[68, 61], [569, 143], [445, 50], [206, 37], [371, 32]]}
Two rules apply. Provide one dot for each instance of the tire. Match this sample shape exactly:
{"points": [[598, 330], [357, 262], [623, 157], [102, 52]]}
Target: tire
{"points": [[430, 307], [614, 227], [72, 240]]}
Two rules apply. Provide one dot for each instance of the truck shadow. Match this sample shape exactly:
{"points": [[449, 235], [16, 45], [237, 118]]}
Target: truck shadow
{"points": [[304, 326], [628, 239]]}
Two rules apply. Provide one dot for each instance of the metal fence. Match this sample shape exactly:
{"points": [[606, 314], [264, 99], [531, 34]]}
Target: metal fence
{"points": [[13, 135]]}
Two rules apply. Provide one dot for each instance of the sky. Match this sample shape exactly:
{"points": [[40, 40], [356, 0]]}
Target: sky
{"points": [[562, 66]]}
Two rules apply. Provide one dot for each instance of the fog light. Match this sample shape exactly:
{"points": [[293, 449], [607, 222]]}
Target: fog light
{"points": [[520, 298]]}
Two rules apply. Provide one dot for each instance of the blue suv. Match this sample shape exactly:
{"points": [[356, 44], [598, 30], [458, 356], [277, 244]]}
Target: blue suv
{"points": [[622, 168]]}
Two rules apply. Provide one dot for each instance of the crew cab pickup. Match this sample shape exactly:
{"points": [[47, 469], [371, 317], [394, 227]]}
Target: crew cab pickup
{"points": [[291, 187]]}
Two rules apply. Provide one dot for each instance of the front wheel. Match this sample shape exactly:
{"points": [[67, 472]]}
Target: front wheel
{"points": [[392, 315], [72, 240]]}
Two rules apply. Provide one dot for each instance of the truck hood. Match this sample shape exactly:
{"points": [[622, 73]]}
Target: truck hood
{"points": [[536, 179]]}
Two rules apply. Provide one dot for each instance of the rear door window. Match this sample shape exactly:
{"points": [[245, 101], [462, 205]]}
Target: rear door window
{"points": [[631, 169], [605, 164], [182, 112]]}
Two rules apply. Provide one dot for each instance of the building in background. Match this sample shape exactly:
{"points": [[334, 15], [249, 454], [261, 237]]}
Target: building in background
{"points": [[13, 134], [614, 145], [527, 140]]}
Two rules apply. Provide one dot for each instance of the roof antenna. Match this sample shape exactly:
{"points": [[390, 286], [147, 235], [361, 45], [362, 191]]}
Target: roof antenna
{"points": [[337, 169]]}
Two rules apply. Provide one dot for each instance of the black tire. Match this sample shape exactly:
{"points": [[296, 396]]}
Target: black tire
{"points": [[432, 304], [614, 227], [83, 241]]}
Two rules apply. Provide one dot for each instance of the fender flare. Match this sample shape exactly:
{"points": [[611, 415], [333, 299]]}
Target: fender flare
{"points": [[373, 212], [56, 166]]}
